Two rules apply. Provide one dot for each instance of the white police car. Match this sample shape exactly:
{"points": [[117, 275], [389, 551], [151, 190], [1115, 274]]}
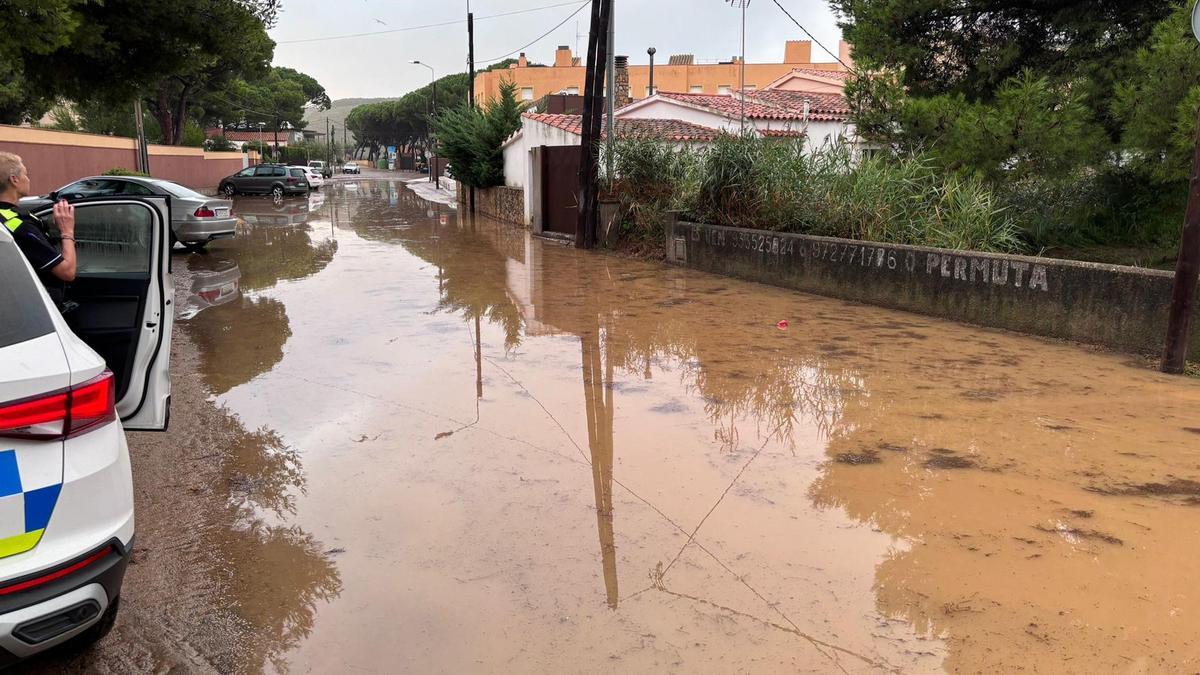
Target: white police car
{"points": [[70, 384]]}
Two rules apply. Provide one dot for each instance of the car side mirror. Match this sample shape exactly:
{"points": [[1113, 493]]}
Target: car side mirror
{"points": [[53, 196]]}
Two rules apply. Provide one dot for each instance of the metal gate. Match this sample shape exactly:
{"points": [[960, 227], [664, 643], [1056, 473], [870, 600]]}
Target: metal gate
{"points": [[560, 188]]}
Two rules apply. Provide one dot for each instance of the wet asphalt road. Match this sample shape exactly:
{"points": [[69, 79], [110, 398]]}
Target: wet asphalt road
{"points": [[405, 441]]}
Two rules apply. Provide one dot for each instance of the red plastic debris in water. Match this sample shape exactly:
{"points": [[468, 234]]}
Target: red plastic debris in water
{"points": [[782, 325]]}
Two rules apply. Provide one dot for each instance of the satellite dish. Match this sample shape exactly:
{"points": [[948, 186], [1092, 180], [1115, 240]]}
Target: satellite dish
{"points": [[1196, 20]]}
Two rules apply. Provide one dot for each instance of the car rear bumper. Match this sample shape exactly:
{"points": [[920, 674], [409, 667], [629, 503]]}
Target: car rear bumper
{"points": [[53, 612], [192, 231]]}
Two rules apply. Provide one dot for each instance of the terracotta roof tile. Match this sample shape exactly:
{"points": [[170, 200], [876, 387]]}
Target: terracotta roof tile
{"points": [[842, 75], [664, 129], [771, 104]]}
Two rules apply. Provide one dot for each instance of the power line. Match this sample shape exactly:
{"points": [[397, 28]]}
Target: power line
{"points": [[810, 36], [429, 25], [540, 37]]}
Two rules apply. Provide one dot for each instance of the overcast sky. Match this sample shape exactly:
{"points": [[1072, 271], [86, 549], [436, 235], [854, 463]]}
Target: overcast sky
{"points": [[378, 65]]}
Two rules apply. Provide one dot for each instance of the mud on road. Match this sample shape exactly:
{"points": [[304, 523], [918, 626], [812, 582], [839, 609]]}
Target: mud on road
{"points": [[404, 440]]}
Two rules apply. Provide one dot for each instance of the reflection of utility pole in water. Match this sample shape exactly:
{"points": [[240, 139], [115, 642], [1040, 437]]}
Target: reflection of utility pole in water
{"points": [[597, 396], [478, 362]]}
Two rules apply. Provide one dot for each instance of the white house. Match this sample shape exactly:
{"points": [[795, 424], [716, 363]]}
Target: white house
{"points": [[539, 129], [820, 117]]}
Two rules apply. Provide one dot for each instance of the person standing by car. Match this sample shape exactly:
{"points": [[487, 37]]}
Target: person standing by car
{"points": [[54, 267]]}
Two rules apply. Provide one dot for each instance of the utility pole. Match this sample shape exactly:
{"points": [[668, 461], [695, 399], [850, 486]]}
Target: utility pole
{"points": [[610, 123], [743, 4], [327, 144], [471, 75], [1187, 276], [597, 56], [143, 153]]}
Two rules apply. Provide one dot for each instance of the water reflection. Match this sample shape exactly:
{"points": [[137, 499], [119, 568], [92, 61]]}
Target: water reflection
{"points": [[957, 448], [215, 281]]}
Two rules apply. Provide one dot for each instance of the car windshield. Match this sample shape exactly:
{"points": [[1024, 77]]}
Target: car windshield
{"points": [[176, 190]]}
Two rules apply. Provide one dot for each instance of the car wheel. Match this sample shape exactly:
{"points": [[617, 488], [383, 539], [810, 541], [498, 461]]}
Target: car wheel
{"points": [[228, 190], [277, 192]]}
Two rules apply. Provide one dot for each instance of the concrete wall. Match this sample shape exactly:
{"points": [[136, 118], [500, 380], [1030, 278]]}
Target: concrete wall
{"points": [[518, 158], [1120, 307], [55, 158]]}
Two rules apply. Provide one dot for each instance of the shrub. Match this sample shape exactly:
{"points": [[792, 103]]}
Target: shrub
{"points": [[219, 144], [470, 138], [777, 184], [122, 171]]}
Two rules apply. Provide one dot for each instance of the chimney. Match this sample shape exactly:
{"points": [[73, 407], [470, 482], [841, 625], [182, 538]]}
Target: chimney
{"points": [[797, 51], [621, 96], [522, 62], [562, 57], [845, 53]]}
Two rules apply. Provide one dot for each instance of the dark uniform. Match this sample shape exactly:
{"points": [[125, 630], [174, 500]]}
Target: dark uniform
{"points": [[31, 238]]}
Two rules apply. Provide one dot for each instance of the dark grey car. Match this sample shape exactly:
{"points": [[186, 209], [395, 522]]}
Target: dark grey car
{"points": [[276, 180]]}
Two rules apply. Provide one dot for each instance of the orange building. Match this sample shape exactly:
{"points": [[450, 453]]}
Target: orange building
{"points": [[679, 73]]}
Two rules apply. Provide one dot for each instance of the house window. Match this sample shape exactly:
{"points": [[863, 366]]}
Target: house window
{"points": [[526, 93], [573, 91], [696, 89], [724, 89]]}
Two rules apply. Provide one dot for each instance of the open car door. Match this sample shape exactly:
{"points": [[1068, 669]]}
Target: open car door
{"points": [[122, 300]]}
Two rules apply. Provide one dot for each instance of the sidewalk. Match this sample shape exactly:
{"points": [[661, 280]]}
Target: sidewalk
{"points": [[448, 194]]}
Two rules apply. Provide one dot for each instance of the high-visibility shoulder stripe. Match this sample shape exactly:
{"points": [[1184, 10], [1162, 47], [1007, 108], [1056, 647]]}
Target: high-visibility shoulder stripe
{"points": [[7, 214], [12, 224]]}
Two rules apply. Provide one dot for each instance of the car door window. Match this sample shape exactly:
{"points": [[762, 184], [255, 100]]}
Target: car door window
{"points": [[91, 187], [278, 171], [298, 173], [245, 173], [110, 238], [264, 171], [136, 189], [24, 311]]}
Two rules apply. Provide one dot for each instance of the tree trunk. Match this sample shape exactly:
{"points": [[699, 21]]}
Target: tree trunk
{"points": [[162, 113]]}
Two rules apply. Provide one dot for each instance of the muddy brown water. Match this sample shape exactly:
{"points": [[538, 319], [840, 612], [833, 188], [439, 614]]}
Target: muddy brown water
{"points": [[461, 449]]}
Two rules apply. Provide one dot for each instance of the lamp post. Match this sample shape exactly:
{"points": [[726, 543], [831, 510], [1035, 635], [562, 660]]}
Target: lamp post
{"points": [[433, 172], [260, 140]]}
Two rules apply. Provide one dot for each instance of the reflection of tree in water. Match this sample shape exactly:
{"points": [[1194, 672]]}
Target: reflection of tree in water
{"points": [[269, 254], [279, 572], [240, 340], [473, 278]]}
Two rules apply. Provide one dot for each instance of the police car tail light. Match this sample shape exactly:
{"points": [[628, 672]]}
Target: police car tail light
{"points": [[61, 414], [93, 403]]}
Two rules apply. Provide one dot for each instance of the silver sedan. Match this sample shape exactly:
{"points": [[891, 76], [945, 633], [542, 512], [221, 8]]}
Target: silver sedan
{"points": [[196, 219]]}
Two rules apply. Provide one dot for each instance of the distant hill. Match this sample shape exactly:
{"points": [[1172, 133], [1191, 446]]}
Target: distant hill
{"points": [[315, 119]]}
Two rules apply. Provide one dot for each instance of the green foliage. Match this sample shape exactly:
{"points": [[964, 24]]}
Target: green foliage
{"points": [[779, 185], [405, 122], [1159, 101], [121, 171], [220, 144], [1079, 114], [470, 138], [63, 119]]}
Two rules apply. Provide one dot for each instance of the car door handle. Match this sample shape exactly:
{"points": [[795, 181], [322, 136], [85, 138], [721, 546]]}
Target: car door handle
{"points": [[151, 325]]}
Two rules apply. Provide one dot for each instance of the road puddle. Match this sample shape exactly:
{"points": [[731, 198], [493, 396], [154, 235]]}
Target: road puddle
{"points": [[499, 454]]}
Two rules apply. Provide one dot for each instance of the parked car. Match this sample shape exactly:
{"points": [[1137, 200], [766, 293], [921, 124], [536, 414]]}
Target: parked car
{"points": [[350, 167], [276, 180], [71, 384], [196, 219], [326, 171], [315, 180]]}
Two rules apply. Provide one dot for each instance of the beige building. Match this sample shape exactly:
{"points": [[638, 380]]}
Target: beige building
{"points": [[679, 73]]}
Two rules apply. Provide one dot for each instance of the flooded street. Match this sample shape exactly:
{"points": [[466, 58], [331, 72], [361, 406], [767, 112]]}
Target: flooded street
{"points": [[432, 445]]}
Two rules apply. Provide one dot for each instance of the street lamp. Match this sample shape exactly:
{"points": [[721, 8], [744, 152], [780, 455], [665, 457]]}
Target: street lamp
{"points": [[433, 172], [260, 141], [742, 4]]}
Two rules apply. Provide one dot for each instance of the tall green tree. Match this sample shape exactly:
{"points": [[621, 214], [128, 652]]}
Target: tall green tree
{"points": [[32, 29], [1159, 101], [168, 51], [471, 138]]}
